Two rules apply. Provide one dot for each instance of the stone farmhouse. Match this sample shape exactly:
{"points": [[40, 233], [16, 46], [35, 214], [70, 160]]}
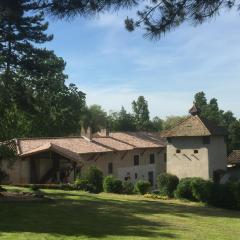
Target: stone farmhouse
{"points": [[195, 147]]}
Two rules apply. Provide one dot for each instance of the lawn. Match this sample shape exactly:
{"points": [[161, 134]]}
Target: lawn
{"points": [[80, 215]]}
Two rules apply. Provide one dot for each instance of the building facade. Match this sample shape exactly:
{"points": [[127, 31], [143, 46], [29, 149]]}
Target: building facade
{"points": [[196, 147]]}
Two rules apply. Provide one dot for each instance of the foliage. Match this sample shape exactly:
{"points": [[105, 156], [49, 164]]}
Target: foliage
{"points": [[34, 187], [211, 111], [222, 195], [172, 121], [128, 187], [141, 113], [48, 186], [201, 189], [184, 189], [3, 189], [155, 196], [94, 177], [83, 185], [142, 187], [94, 117], [121, 121], [3, 176], [112, 185], [167, 184]]}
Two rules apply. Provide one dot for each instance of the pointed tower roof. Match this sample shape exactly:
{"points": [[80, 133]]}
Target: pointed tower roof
{"points": [[194, 126], [194, 110]]}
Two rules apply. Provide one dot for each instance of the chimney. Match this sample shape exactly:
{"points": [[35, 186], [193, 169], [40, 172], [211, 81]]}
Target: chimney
{"points": [[87, 134], [104, 132]]}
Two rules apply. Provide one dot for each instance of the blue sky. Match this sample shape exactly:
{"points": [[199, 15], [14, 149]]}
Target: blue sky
{"points": [[113, 67]]}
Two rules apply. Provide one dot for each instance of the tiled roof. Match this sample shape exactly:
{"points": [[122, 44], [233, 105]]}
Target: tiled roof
{"points": [[234, 157], [75, 144], [112, 143], [139, 139], [195, 126], [60, 150]]}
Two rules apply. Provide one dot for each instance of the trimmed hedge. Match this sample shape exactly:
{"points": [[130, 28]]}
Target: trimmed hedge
{"points": [[112, 185], [94, 176], [167, 184], [142, 187], [201, 189], [128, 187], [184, 189]]}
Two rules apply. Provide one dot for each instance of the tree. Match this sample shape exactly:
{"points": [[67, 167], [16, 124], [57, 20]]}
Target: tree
{"points": [[94, 117], [156, 124], [172, 121], [211, 111], [156, 17], [121, 121], [34, 99], [141, 113]]}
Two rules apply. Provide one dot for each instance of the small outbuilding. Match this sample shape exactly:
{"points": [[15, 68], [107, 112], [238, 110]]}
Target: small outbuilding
{"points": [[196, 147]]}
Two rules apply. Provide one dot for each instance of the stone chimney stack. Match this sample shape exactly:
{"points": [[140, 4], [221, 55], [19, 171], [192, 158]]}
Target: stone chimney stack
{"points": [[87, 134], [104, 132]]}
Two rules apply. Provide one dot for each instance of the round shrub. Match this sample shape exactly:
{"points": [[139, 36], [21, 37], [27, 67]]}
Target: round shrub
{"points": [[117, 186], [184, 190], [34, 187], [108, 184], [167, 184], [112, 185], [201, 189], [95, 177], [142, 187], [81, 184], [222, 195], [128, 187]]}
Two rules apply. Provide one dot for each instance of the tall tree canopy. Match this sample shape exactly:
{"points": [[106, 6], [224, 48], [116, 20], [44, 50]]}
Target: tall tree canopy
{"points": [[34, 100], [156, 16], [210, 110], [141, 113]]}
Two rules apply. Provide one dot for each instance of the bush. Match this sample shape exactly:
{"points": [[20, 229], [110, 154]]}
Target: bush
{"points": [[167, 184], [3, 189], [184, 190], [34, 187], [128, 187], [112, 185], [95, 177], [3, 176], [142, 187], [201, 189], [222, 195], [83, 185]]}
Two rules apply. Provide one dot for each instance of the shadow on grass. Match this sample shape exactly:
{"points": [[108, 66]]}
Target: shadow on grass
{"points": [[93, 216]]}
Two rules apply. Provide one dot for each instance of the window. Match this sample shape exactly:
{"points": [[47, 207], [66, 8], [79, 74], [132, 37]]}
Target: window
{"points": [[165, 157], [195, 151], [136, 160], [152, 158], [206, 140], [136, 175], [178, 151], [110, 168], [150, 177], [169, 140]]}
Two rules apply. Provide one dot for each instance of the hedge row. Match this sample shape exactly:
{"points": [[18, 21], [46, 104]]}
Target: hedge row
{"points": [[197, 189]]}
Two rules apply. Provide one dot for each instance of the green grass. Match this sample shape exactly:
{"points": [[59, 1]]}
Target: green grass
{"points": [[79, 215]]}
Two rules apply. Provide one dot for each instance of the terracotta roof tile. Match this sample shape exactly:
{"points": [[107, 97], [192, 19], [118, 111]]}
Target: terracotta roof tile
{"points": [[139, 139], [195, 126], [77, 145], [234, 157]]}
